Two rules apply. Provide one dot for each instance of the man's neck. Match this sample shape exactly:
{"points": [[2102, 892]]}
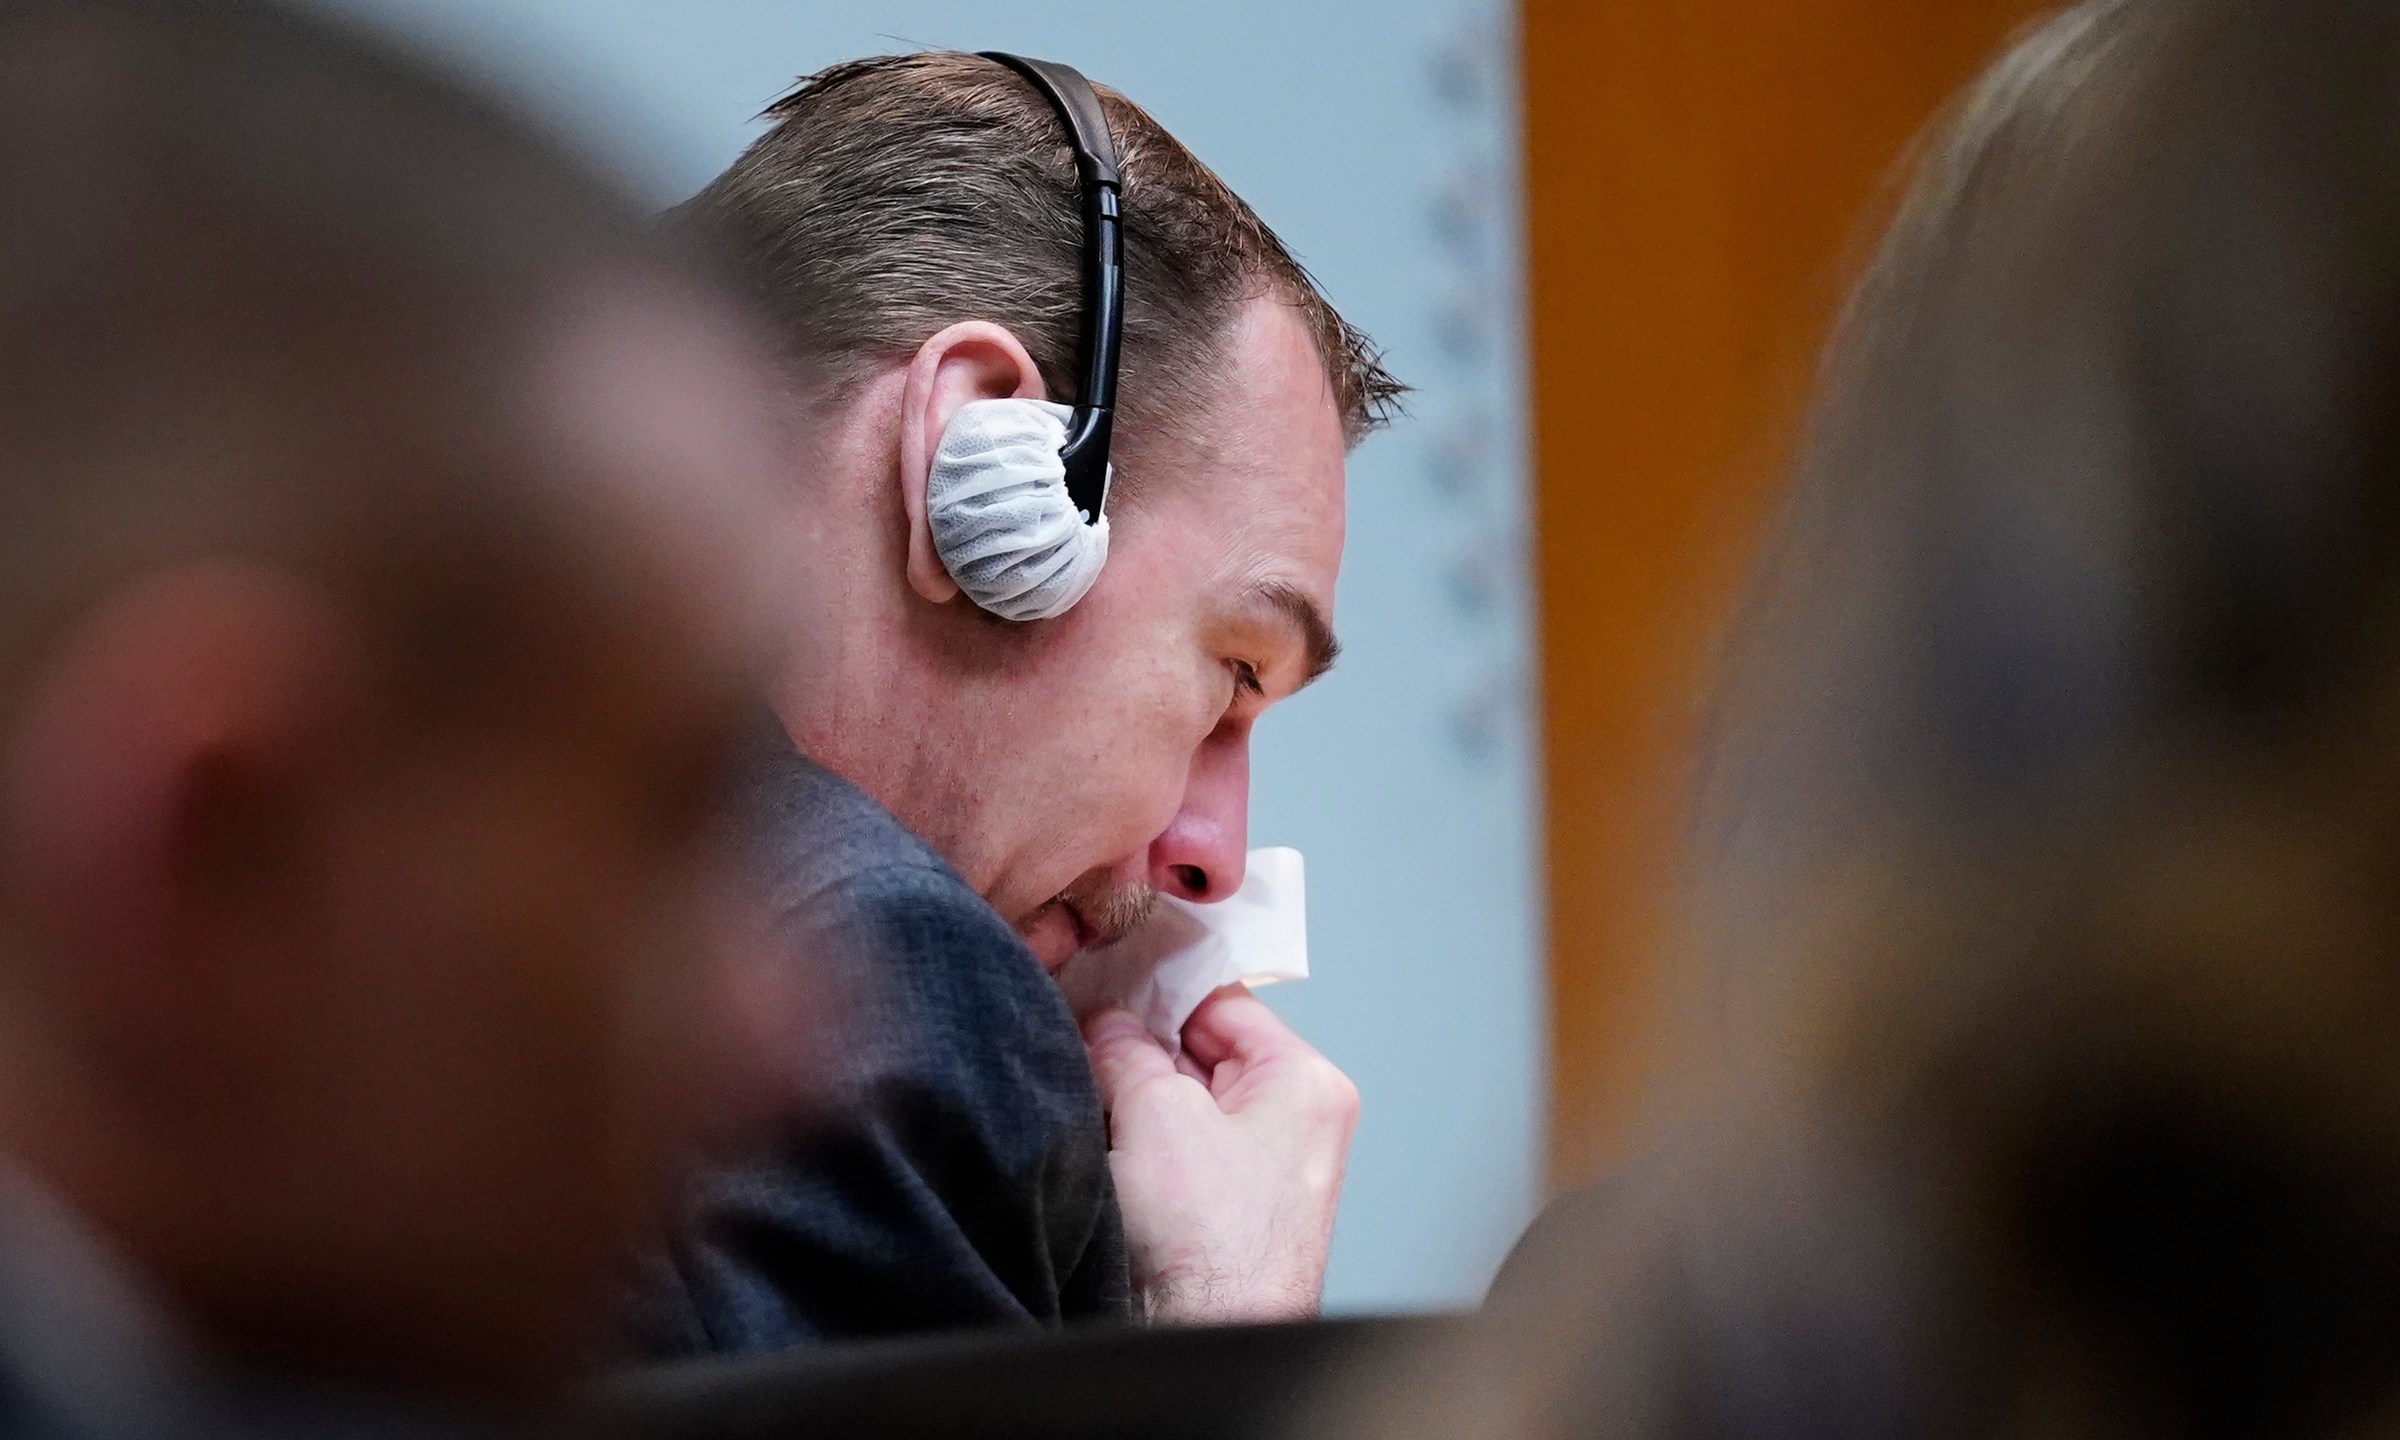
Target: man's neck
{"points": [[854, 690], [874, 681], [844, 687], [871, 730]]}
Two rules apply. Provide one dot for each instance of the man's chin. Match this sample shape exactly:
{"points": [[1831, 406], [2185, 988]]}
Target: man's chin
{"points": [[1053, 934]]}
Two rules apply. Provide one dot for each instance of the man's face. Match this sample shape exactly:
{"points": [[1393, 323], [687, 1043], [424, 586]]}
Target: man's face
{"points": [[1125, 769]]}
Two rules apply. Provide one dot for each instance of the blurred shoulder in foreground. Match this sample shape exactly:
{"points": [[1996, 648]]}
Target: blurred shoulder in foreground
{"points": [[951, 1171], [2051, 825]]}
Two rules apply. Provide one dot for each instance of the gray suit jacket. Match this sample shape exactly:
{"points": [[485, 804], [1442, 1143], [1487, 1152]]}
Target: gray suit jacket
{"points": [[962, 1179]]}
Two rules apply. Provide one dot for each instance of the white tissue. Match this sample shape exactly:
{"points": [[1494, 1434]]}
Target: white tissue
{"points": [[996, 501], [1184, 952]]}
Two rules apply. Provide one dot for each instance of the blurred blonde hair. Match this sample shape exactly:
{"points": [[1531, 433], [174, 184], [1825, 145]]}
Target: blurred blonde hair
{"points": [[2047, 844]]}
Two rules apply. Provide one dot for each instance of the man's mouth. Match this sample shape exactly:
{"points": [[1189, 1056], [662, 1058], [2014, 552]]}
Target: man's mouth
{"points": [[1070, 925], [1056, 933], [1087, 936]]}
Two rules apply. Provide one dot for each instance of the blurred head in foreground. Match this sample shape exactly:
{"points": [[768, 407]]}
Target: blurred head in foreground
{"points": [[361, 708], [2055, 820]]}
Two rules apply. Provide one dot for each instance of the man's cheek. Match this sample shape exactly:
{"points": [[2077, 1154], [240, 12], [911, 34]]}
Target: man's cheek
{"points": [[1116, 823], [1163, 786]]}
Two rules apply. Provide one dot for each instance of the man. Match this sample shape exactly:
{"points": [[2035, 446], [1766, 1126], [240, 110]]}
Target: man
{"points": [[1012, 793], [363, 943]]}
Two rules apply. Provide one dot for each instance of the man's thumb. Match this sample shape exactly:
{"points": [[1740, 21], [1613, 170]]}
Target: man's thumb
{"points": [[1124, 1054]]}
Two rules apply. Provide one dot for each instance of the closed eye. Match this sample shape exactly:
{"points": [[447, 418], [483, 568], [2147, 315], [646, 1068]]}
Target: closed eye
{"points": [[1245, 679]]}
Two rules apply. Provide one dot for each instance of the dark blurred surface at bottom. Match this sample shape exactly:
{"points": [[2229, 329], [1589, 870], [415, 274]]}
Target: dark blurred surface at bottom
{"points": [[1220, 1383]]}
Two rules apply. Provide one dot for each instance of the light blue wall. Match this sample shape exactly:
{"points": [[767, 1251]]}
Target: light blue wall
{"points": [[1378, 137]]}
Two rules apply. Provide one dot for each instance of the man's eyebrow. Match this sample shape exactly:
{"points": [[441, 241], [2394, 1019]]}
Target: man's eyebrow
{"points": [[1316, 636]]}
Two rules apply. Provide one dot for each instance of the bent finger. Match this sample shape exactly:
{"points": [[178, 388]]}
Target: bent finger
{"points": [[1124, 1053], [1234, 1024]]}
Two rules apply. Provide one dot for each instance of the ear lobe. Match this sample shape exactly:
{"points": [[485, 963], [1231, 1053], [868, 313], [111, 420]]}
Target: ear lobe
{"points": [[926, 573], [149, 793], [969, 361]]}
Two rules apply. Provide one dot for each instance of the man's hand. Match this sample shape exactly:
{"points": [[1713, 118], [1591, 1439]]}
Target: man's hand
{"points": [[1228, 1159]]}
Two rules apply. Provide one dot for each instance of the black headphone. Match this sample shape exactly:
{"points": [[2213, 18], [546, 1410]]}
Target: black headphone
{"points": [[1085, 452]]}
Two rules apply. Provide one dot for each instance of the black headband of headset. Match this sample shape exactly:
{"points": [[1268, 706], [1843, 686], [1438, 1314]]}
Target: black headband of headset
{"points": [[1086, 450]]}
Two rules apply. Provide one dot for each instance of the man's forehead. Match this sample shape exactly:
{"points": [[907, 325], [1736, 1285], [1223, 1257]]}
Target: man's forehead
{"points": [[1262, 485]]}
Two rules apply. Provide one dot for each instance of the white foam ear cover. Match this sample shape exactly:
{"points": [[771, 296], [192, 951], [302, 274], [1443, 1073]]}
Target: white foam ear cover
{"points": [[996, 501]]}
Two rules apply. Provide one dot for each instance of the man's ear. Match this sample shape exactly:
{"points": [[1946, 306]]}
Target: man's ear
{"points": [[973, 360], [153, 804]]}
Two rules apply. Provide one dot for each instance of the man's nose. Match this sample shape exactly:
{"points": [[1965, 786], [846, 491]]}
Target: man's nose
{"points": [[1198, 857]]}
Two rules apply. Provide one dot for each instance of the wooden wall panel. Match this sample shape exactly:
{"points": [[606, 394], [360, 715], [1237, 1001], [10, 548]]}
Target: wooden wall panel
{"points": [[1700, 176]]}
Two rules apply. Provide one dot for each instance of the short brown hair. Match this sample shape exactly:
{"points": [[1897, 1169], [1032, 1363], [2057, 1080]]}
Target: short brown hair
{"points": [[899, 194]]}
